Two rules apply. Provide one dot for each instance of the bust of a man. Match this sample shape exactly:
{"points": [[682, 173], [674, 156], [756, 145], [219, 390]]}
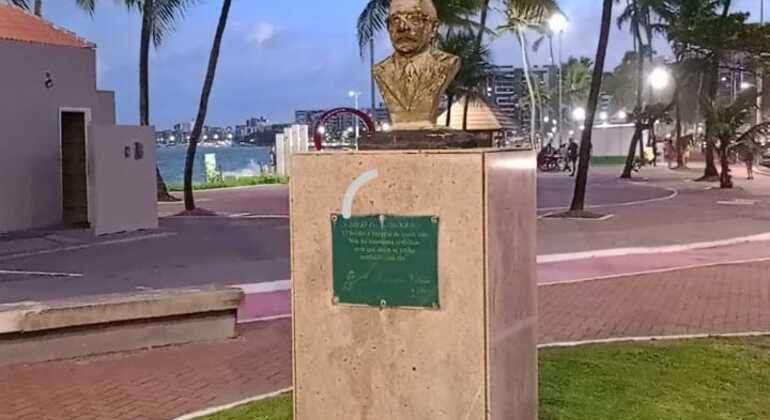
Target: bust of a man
{"points": [[413, 79]]}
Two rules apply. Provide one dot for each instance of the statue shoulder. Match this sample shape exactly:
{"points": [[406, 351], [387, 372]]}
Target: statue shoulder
{"points": [[388, 62], [449, 60]]}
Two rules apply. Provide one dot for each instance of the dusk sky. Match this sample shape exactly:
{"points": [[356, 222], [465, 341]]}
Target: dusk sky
{"points": [[277, 56]]}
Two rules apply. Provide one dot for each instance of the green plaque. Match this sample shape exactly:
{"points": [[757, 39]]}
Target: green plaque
{"points": [[386, 261]]}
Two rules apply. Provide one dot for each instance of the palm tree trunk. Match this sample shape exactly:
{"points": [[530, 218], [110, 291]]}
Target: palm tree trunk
{"points": [[482, 23], [629, 166], [578, 200], [465, 113], [189, 200], [532, 101], [678, 141], [39, 8], [637, 137], [450, 99], [371, 75], [148, 17], [711, 170]]}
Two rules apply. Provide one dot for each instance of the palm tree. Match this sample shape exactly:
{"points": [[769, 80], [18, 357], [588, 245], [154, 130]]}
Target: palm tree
{"points": [[522, 16], [158, 20], [578, 200], [728, 130], [475, 69], [189, 201], [577, 80], [638, 17], [37, 6]]}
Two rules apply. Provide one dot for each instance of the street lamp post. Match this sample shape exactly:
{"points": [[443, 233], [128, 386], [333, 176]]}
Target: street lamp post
{"points": [[558, 24], [355, 95]]}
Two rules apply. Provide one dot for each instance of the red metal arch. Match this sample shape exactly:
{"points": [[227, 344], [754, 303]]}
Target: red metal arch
{"points": [[326, 116]]}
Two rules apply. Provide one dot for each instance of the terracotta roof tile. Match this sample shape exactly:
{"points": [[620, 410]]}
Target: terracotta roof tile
{"points": [[18, 25]]}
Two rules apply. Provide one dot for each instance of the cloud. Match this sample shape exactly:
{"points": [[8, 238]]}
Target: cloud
{"points": [[260, 34]]}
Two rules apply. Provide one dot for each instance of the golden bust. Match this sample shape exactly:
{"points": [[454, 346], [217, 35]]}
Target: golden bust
{"points": [[413, 79]]}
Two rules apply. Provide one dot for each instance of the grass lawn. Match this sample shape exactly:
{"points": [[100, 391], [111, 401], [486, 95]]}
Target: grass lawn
{"points": [[230, 182], [716, 379]]}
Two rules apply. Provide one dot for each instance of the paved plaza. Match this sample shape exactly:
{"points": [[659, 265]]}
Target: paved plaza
{"points": [[675, 259]]}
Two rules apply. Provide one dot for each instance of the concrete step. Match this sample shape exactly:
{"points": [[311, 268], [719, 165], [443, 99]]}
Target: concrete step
{"points": [[36, 332]]}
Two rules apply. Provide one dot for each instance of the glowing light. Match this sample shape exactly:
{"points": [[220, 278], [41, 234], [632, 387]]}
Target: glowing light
{"points": [[557, 23], [579, 114], [659, 78]]}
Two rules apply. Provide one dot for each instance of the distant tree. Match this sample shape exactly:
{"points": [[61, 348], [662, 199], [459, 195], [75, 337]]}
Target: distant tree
{"points": [[728, 130], [189, 200], [476, 65], [577, 80], [521, 17]]}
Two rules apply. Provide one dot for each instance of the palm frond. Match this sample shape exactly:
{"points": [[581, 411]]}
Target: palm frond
{"points": [[24, 4], [167, 13], [372, 20]]}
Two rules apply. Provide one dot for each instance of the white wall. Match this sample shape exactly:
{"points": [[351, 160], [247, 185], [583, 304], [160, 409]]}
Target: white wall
{"points": [[294, 139], [611, 140], [30, 144], [122, 189]]}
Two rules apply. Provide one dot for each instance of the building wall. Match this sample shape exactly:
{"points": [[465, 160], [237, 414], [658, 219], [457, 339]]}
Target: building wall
{"points": [[122, 188], [612, 140], [30, 191]]}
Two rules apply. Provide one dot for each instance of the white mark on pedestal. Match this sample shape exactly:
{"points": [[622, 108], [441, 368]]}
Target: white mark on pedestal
{"points": [[350, 194]]}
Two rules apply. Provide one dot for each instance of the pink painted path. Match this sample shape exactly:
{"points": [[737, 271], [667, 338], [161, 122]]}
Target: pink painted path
{"points": [[277, 303], [607, 267]]}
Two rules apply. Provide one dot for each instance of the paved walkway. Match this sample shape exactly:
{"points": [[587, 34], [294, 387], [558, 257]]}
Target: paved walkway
{"points": [[164, 383]]}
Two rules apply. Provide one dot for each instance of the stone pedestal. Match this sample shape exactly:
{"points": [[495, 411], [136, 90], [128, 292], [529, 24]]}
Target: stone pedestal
{"points": [[474, 354]]}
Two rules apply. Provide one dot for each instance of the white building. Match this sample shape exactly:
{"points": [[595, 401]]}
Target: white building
{"points": [[63, 160]]}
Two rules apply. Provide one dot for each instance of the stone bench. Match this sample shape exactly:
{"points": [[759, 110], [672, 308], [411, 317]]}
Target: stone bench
{"points": [[36, 332]]}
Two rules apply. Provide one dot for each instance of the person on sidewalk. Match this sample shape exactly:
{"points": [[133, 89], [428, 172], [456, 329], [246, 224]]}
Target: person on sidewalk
{"points": [[572, 155], [748, 158]]}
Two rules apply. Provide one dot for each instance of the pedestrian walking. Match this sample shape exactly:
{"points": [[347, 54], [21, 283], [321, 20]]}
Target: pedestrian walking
{"points": [[572, 154], [748, 158], [669, 154]]}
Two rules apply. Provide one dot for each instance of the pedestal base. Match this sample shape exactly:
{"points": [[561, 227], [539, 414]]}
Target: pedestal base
{"points": [[474, 355], [425, 140]]}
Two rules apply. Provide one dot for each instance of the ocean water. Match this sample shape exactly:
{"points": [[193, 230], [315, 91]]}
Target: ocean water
{"points": [[232, 161]]}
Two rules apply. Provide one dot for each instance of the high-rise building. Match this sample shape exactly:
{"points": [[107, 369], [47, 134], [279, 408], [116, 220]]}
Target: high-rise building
{"points": [[507, 88]]}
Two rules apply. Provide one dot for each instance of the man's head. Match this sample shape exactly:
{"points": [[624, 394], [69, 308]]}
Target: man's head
{"points": [[413, 25]]}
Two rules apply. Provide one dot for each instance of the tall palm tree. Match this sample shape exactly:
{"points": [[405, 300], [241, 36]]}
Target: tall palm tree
{"points": [[159, 18], [638, 17], [578, 199], [476, 65], [523, 16], [189, 201]]}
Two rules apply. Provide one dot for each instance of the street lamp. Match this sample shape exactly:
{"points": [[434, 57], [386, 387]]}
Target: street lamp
{"points": [[659, 78], [746, 85], [355, 95], [558, 24], [579, 114]]}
